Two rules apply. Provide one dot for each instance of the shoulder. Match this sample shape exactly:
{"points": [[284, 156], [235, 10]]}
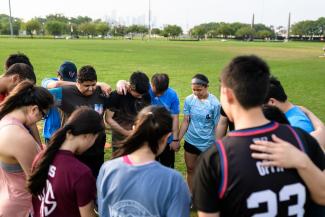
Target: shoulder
{"points": [[190, 98], [171, 92], [214, 99]]}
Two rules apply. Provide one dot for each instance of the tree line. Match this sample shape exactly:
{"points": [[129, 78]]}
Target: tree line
{"points": [[58, 24]]}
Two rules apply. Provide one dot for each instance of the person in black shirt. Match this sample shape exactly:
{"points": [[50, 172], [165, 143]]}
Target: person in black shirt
{"points": [[122, 109], [228, 181], [84, 93]]}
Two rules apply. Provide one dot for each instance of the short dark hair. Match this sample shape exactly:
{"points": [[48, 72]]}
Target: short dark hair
{"points": [[86, 73], [139, 82], [17, 58], [200, 79], [276, 91], [273, 113], [248, 77], [23, 70], [160, 81]]}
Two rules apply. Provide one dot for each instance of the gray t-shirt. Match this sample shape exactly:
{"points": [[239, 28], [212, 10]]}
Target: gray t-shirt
{"points": [[148, 190]]}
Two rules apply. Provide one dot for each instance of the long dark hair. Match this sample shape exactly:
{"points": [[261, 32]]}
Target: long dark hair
{"points": [[82, 121], [152, 123], [26, 94]]}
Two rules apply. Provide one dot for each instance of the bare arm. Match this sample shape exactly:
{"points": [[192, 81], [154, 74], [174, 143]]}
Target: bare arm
{"points": [[35, 133], [283, 154], [204, 214], [88, 210], [175, 145], [55, 84], [184, 126], [114, 125], [221, 129], [319, 132]]}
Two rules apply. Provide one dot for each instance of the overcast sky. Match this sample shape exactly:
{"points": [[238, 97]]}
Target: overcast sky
{"points": [[185, 13]]}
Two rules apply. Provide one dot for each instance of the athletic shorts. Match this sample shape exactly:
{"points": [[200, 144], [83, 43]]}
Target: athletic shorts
{"points": [[191, 148]]}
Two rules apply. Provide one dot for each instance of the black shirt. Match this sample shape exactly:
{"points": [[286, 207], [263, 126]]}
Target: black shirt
{"points": [[228, 180], [125, 108], [231, 125]]}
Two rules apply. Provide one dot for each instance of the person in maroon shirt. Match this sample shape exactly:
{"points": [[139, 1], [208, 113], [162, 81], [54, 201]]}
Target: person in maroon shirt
{"points": [[60, 184]]}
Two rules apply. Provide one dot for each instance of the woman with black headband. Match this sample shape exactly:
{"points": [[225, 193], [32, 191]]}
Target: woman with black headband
{"points": [[201, 116], [25, 105]]}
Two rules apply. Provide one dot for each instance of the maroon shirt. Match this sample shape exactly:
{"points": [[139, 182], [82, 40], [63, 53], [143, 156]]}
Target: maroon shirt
{"points": [[70, 185]]}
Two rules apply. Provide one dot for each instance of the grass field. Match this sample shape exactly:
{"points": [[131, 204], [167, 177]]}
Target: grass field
{"points": [[296, 64]]}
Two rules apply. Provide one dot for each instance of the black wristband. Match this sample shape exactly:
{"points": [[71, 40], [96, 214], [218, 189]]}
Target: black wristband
{"points": [[175, 140]]}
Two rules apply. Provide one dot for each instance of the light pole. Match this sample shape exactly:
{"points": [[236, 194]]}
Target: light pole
{"points": [[10, 21], [149, 19]]}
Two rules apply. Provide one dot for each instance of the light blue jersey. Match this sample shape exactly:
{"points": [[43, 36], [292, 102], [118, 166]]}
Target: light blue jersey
{"points": [[148, 190], [204, 116], [297, 118]]}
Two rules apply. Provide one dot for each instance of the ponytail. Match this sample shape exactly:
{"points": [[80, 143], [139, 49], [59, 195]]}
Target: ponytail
{"points": [[152, 123], [37, 180]]}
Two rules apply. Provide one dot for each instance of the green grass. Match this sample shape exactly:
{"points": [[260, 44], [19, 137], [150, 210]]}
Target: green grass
{"points": [[296, 64]]}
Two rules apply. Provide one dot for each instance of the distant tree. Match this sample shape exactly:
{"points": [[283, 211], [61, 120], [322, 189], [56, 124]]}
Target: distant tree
{"points": [[172, 31], [33, 26], [156, 31], [88, 29], [57, 17], [199, 31], [245, 33], [119, 30], [102, 28], [80, 19], [225, 30], [5, 27], [55, 28], [263, 34]]}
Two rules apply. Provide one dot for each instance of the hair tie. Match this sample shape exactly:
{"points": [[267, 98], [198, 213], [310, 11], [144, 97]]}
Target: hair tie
{"points": [[199, 81]]}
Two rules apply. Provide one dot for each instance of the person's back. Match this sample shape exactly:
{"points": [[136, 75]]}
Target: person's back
{"points": [[148, 189], [247, 184], [228, 181], [65, 188]]}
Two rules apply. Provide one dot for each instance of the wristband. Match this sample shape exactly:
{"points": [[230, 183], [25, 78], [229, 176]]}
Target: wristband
{"points": [[175, 140]]}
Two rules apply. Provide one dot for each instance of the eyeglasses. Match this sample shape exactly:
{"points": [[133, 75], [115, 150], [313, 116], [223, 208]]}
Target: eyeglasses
{"points": [[44, 114]]}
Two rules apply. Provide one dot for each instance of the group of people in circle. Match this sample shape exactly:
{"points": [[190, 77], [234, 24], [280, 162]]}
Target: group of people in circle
{"points": [[239, 154]]}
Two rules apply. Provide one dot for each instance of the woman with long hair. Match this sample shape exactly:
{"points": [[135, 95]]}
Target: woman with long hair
{"points": [[133, 183], [61, 185], [22, 108]]}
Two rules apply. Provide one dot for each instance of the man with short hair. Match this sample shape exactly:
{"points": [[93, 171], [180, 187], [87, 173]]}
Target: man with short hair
{"points": [[123, 109], [228, 181], [161, 94], [84, 93], [276, 96]]}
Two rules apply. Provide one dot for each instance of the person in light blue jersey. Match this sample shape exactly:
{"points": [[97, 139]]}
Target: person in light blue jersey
{"points": [[133, 183], [201, 116]]}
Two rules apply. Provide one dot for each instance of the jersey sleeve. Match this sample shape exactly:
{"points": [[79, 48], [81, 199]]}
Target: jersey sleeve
{"points": [[312, 148], [174, 108], [206, 182], [112, 102], [216, 113], [179, 204], [57, 94], [187, 108], [85, 189]]}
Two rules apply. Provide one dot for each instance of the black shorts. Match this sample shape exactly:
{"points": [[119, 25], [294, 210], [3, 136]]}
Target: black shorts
{"points": [[191, 148]]}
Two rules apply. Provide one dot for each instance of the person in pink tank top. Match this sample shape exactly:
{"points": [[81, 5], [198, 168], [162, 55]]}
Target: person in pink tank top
{"points": [[23, 107]]}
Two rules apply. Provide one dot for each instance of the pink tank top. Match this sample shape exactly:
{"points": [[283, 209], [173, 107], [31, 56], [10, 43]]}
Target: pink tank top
{"points": [[15, 201]]}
